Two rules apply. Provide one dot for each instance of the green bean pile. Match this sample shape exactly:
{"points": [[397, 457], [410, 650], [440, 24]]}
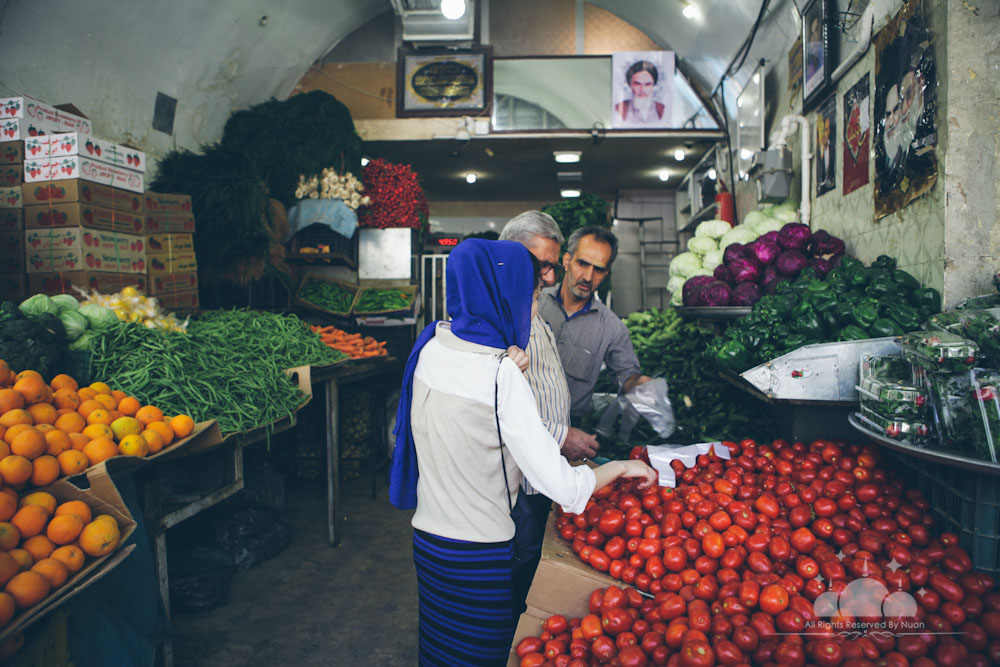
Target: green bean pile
{"points": [[326, 295], [378, 300], [229, 366]]}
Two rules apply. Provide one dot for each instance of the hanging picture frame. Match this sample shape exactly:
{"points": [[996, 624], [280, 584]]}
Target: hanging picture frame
{"points": [[441, 82], [817, 56]]}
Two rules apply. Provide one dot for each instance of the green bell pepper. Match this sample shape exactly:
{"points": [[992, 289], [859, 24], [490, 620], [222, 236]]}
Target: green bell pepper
{"points": [[806, 321], [849, 264], [822, 301], [882, 286], [795, 341], [905, 280], [851, 332], [858, 278], [905, 316], [829, 319], [733, 356], [927, 299], [884, 327], [884, 262], [843, 312], [865, 313]]}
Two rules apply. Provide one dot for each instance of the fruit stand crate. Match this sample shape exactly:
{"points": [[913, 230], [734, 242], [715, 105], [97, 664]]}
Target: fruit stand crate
{"points": [[351, 288], [408, 290], [338, 248], [964, 502]]}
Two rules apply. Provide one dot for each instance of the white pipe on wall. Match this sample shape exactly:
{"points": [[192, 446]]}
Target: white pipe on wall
{"points": [[867, 20]]}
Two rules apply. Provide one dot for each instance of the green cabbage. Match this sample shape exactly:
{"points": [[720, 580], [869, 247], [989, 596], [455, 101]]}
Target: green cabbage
{"points": [[38, 304], [785, 212], [699, 245], [712, 229], [675, 284], [65, 302], [712, 259], [84, 342], [99, 317], [769, 225], [74, 323], [753, 218], [685, 264], [738, 234]]}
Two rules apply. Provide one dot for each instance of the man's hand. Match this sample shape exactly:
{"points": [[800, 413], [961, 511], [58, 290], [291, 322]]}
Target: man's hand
{"points": [[518, 356], [579, 445], [634, 382]]}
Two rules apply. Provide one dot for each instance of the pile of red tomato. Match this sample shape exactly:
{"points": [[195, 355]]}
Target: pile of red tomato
{"points": [[727, 568]]}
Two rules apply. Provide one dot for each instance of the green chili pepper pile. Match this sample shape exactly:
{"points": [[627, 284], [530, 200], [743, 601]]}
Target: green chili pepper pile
{"points": [[229, 366], [328, 296], [851, 303], [379, 300]]}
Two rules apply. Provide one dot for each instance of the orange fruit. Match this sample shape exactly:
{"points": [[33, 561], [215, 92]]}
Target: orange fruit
{"points": [[115, 415], [28, 373], [23, 558], [72, 462], [64, 528], [4, 450], [56, 572], [10, 400], [182, 426], [133, 445], [45, 470], [3, 431], [28, 588], [15, 470], [100, 537], [99, 416], [15, 417], [71, 556], [118, 394], [28, 443], [66, 399], [38, 546], [63, 381], [8, 567], [125, 426], [99, 449], [4, 368], [129, 405], [78, 441], [88, 406], [153, 440], [166, 433], [148, 414], [44, 428], [76, 508], [14, 431], [86, 393], [107, 401], [57, 442], [42, 413], [98, 431], [32, 388], [43, 499], [101, 387], [30, 520], [71, 422], [10, 536], [8, 491], [8, 506]]}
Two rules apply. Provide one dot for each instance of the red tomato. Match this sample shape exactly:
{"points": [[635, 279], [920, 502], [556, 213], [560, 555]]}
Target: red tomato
{"points": [[603, 648], [697, 653], [713, 545], [827, 653], [556, 624], [529, 645], [632, 656], [774, 599], [611, 522]]}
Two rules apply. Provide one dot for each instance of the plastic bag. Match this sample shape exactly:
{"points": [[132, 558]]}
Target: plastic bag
{"points": [[647, 400]]}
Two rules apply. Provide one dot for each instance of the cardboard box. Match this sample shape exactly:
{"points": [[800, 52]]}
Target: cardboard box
{"points": [[11, 107], [64, 282], [78, 248], [34, 117], [73, 143], [102, 497], [12, 197], [187, 300], [11, 152], [13, 286], [11, 219], [78, 166], [162, 264], [205, 435], [10, 175], [76, 214], [172, 282], [167, 212], [169, 245], [59, 192], [12, 252]]}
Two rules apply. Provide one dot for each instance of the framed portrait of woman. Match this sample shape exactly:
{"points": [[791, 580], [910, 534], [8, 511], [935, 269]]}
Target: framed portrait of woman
{"points": [[642, 89], [817, 58]]}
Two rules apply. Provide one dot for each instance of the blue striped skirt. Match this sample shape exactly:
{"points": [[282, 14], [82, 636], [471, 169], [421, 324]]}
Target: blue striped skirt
{"points": [[466, 600]]}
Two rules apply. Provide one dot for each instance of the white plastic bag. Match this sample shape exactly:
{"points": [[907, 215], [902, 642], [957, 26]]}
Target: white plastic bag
{"points": [[649, 400]]}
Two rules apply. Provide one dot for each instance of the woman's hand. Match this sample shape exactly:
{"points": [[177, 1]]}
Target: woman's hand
{"points": [[518, 356], [612, 470]]}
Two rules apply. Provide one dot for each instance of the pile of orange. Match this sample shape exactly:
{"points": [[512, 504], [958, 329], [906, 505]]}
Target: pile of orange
{"points": [[43, 543], [52, 430]]}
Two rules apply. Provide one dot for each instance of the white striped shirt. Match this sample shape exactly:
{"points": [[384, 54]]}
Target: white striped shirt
{"points": [[548, 384]]}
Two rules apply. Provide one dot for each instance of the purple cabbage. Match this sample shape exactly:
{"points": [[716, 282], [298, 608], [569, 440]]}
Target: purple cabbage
{"points": [[771, 279], [766, 252], [836, 260], [745, 270], [770, 236], [791, 262], [825, 244], [794, 236], [689, 293], [722, 273], [716, 293], [821, 266], [732, 252], [746, 294]]}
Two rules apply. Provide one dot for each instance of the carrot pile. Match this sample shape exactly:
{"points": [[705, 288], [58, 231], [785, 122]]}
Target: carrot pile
{"points": [[353, 345]]}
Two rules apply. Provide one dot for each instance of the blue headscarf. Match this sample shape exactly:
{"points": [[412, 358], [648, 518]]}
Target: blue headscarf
{"points": [[490, 286]]}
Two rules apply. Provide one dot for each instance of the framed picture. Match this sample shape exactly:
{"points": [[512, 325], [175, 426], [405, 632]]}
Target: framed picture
{"points": [[642, 92], [817, 58], [443, 82]]}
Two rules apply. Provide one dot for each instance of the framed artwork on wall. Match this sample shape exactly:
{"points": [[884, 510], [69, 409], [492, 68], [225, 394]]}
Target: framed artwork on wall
{"points": [[443, 82], [817, 56]]}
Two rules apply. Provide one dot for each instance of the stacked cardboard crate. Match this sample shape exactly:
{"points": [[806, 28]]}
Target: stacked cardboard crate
{"points": [[170, 257], [13, 284]]}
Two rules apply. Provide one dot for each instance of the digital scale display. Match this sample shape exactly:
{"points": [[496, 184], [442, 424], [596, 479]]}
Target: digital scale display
{"points": [[441, 243]]}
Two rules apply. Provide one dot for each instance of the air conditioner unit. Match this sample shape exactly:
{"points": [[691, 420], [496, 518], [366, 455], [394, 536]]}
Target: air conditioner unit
{"points": [[424, 22]]}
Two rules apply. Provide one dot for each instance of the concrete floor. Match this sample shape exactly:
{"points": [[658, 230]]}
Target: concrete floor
{"points": [[314, 604]]}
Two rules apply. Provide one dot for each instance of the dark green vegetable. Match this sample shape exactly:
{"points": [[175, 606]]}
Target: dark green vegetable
{"points": [[380, 300], [905, 280], [35, 343], [927, 299], [906, 316], [326, 295], [733, 356], [807, 322], [865, 313], [884, 327], [851, 332]]}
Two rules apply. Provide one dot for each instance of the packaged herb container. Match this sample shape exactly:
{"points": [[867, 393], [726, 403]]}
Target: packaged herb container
{"points": [[911, 432], [885, 367], [986, 393], [939, 351], [893, 398]]}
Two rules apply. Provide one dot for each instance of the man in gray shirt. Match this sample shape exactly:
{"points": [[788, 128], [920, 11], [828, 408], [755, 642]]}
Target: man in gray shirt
{"points": [[587, 332]]}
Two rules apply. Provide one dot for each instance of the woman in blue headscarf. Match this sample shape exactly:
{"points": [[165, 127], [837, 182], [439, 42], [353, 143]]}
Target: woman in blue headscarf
{"points": [[458, 390]]}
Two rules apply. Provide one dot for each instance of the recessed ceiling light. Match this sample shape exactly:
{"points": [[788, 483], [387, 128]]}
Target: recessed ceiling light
{"points": [[664, 175], [470, 177], [746, 153], [679, 154], [364, 162], [712, 175], [569, 193], [566, 157], [690, 11], [453, 9]]}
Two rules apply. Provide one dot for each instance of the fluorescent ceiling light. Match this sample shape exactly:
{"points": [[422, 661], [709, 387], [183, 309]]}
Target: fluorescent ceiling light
{"points": [[679, 154], [453, 9], [470, 177], [566, 157], [569, 193], [746, 153], [664, 175], [711, 174], [690, 11]]}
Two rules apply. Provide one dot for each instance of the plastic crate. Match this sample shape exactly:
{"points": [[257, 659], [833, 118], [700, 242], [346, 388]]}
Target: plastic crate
{"points": [[963, 502]]}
